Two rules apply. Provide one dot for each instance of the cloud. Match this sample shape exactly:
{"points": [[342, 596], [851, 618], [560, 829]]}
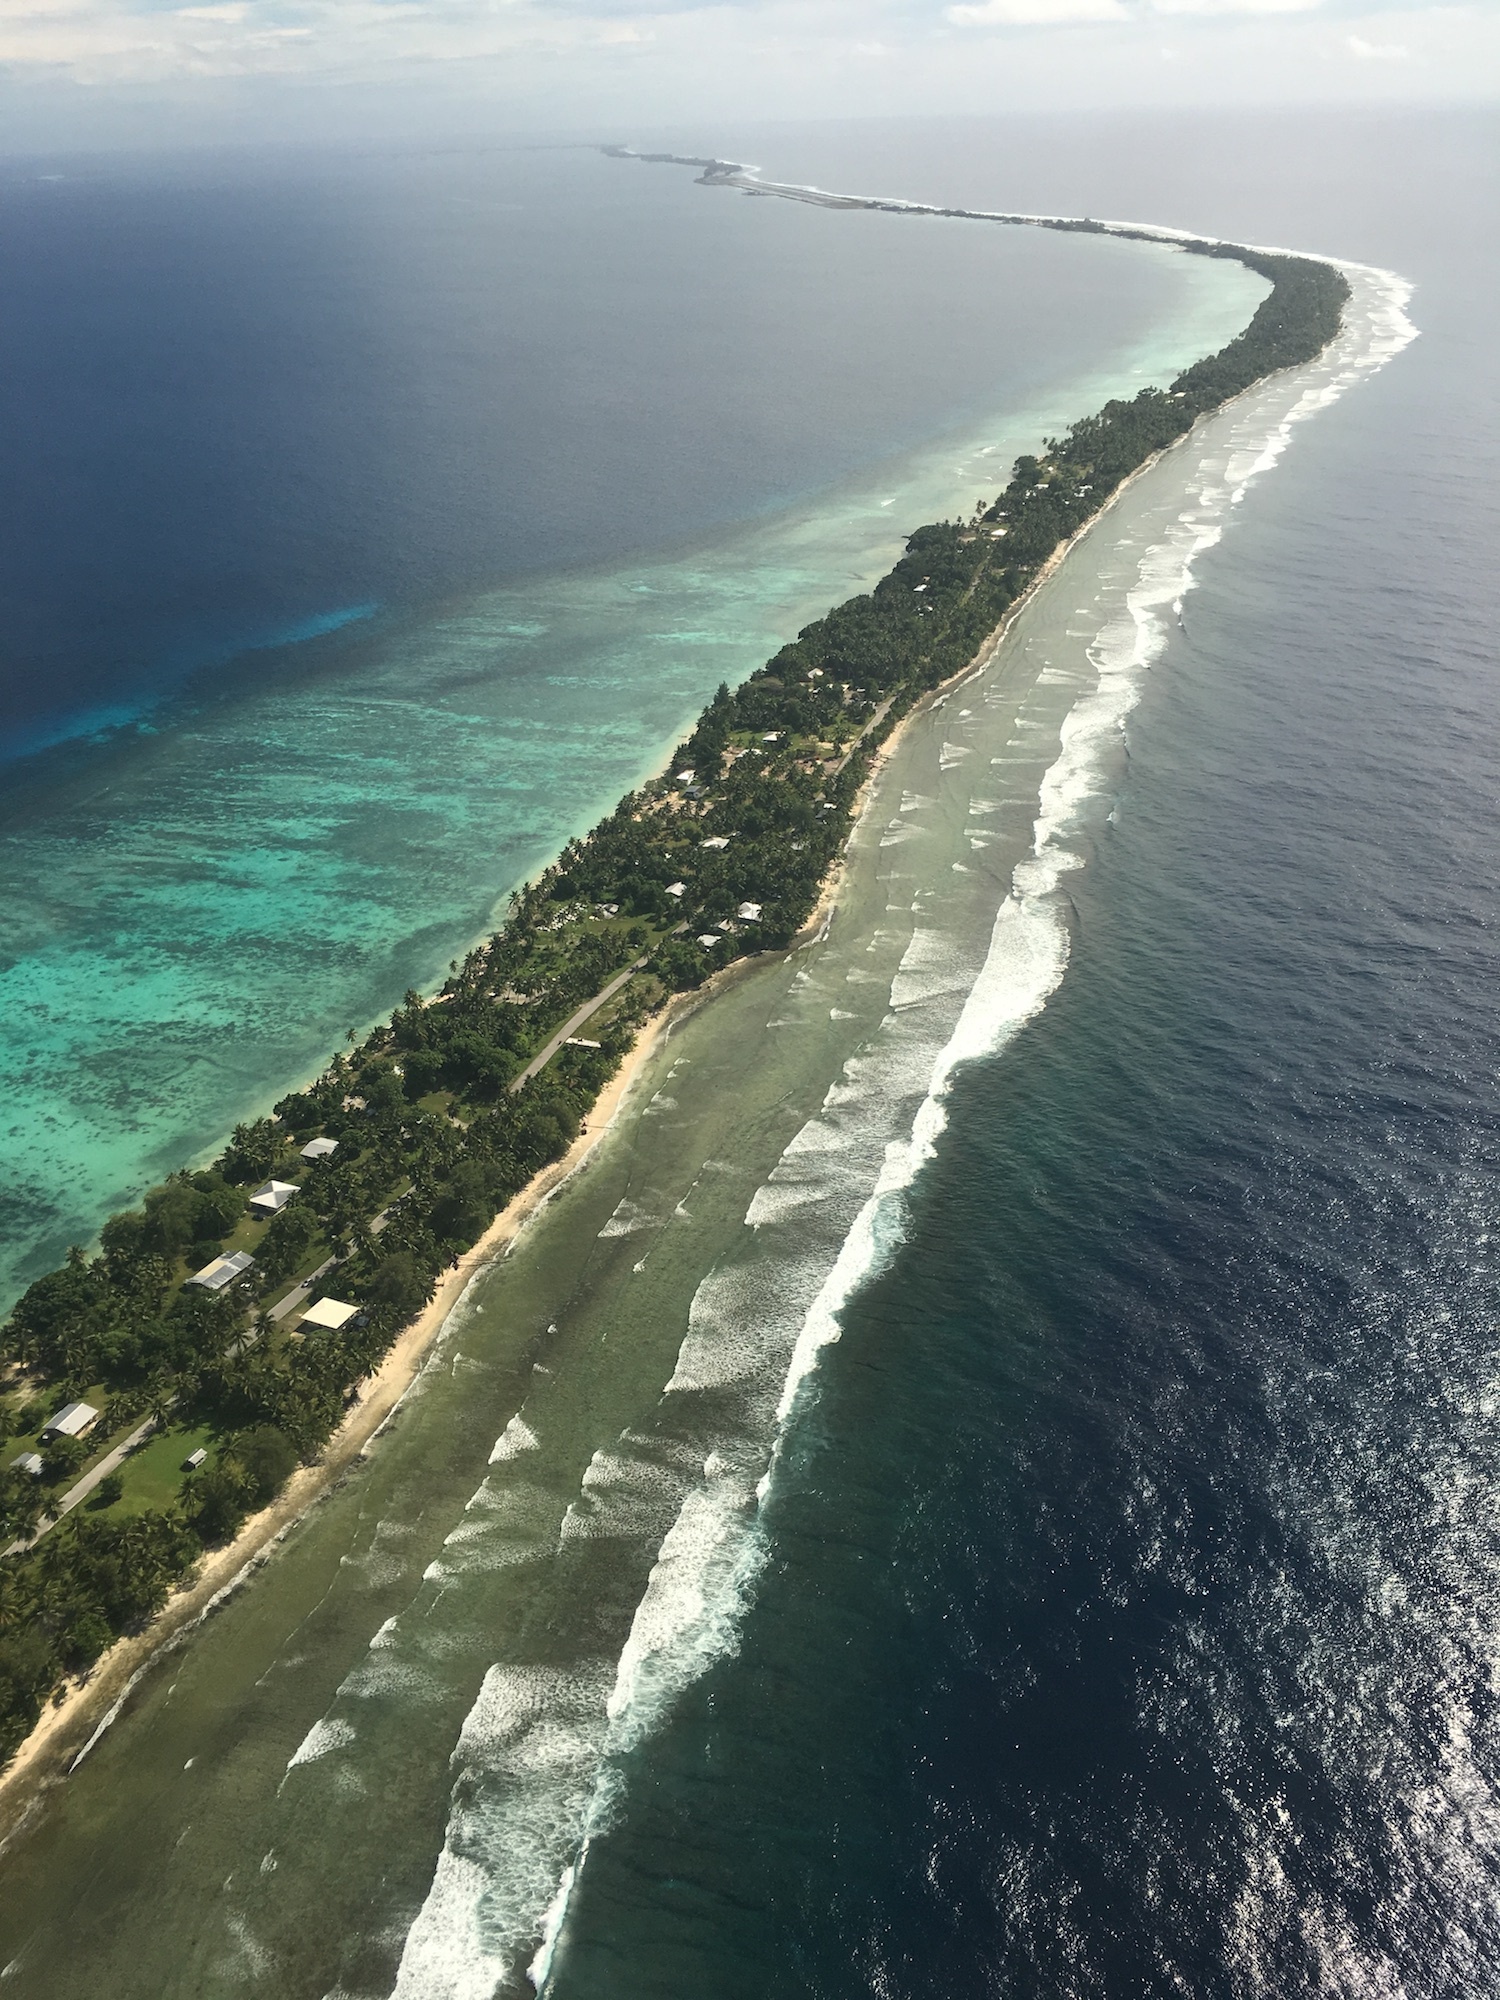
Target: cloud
{"points": [[574, 64], [1210, 7], [1034, 13]]}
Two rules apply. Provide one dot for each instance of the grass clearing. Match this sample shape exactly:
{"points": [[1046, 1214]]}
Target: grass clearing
{"points": [[154, 1474]]}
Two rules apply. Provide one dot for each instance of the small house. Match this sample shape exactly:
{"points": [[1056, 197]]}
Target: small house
{"points": [[328, 1315], [194, 1459], [71, 1421], [709, 939], [716, 840], [319, 1149], [677, 888], [29, 1461], [273, 1197], [749, 912], [222, 1271], [684, 777]]}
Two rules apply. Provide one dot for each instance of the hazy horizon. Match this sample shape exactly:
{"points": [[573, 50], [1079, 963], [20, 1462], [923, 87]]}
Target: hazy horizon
{"points": [[87, 74]]}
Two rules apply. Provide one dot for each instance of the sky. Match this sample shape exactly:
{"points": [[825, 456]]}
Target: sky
{"points": [[77, 73]]}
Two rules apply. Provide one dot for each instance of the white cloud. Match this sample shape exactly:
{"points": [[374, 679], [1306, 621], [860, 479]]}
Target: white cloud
{"points": [[1235, 6], [1033, 13], [578, 64]]}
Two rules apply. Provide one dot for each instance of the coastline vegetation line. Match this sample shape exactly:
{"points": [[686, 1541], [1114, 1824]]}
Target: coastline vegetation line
{"points": [[376, 1179]]}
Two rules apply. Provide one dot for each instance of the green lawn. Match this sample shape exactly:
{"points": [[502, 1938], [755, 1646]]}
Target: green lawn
{"points": [[154, 1474]]}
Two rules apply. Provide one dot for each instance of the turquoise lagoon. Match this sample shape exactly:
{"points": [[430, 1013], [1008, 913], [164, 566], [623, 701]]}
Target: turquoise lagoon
{"points": [[199, 905]]}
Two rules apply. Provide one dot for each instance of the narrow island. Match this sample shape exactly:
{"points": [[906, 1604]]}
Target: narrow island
{"points": [[165, 1387]]}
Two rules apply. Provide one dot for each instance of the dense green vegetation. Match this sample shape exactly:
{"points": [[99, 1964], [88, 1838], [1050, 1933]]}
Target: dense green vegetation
{"points": [[437, 1123]]}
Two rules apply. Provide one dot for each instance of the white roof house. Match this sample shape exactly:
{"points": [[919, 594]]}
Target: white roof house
{"points": [[330, 1314], [29, 1461], [215, 1276], [319, 1149], [684, 777], [749, 911], [676, 888], [717, 840], [709, 939], [71, 1421], [273, 1197], [194, 1459]]}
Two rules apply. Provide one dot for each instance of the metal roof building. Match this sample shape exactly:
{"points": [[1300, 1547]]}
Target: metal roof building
{"points": [[330, 1314], [273, 1197], [71, 1421], [215, 1276]]}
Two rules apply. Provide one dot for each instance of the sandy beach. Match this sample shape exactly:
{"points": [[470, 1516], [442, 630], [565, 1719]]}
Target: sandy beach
{"points": [[66, 1730], [68, 1726]]}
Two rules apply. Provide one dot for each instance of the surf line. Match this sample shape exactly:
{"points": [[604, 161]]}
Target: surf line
{"points": [[747, 179], [714, 1564]]}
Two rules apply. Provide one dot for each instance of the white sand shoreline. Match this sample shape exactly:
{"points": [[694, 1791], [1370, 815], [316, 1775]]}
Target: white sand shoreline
{"points": [[59, 1738], [78, 1716]]}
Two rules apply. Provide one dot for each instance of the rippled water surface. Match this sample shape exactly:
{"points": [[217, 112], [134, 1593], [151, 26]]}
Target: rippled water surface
{"points": [[415, 508], [986, 1484]]}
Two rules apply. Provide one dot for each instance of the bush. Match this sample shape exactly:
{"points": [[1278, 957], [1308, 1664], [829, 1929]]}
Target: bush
{"points": [[62, 1458], [252, 1152], [399, 1282], [214, 1504], [266, 1459], [285, 1244]]}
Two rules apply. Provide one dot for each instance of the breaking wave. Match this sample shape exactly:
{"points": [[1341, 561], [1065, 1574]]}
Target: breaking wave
{"points": [[541, 1766]]}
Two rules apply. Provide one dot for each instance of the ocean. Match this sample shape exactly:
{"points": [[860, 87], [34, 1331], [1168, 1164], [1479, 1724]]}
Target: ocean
{"points": [[986, 1482], [373, 524]]}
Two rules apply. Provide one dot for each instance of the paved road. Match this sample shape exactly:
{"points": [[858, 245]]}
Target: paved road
{"points": [[298, 1294], [110, 1462], [575, 1022]]}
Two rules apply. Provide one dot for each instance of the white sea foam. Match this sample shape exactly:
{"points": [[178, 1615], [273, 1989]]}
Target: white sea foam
{"points": [[325, 1735], [535, 1733], [629, 1216], [518, 1436]]}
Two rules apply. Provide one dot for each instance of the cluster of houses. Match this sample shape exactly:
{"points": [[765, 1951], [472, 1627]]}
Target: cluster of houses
{"points": [[328, 1315], [266, 1201], [73, 1420], [748, 913]]}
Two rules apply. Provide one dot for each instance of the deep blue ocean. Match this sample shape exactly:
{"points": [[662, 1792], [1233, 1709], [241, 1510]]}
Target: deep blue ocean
{"points": [[247, 398], [1128, 1617], [370, 523]]}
